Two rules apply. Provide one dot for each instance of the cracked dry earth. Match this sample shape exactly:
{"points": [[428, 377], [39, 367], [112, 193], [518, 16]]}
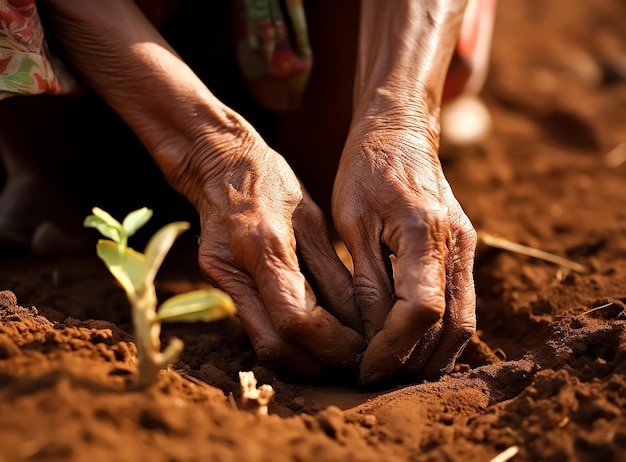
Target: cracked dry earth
{"points": [[544, 373]]}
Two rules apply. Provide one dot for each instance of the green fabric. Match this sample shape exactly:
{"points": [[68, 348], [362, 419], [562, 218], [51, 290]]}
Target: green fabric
{"points": [[273, 50]]}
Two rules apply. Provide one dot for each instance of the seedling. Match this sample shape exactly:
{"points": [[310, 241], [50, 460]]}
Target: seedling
{"points": [[136, 271]]}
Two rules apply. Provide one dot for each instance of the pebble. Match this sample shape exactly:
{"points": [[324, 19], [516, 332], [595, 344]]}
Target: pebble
{"points": [[465, 121], [368, 421]]}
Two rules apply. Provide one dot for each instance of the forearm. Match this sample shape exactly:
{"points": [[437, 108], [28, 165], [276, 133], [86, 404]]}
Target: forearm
{"points": [[127, 62], [405, 47]]}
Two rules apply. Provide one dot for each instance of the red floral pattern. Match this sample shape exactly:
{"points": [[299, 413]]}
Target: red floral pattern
{"points": [[25, 64]]}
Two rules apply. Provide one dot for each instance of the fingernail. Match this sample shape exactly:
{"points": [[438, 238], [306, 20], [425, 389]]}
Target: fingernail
{"points": [[375, 367], [369, 378]]}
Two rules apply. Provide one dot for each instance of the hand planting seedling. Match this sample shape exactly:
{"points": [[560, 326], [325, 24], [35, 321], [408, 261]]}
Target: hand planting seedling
{"points": [[136, 271]]}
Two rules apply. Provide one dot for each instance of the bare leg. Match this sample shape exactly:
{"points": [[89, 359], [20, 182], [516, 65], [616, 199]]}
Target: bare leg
{"points": [[36, 156], [36, 213]]}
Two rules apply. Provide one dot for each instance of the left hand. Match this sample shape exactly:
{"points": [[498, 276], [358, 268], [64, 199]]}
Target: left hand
{"points": [[391, 198]]}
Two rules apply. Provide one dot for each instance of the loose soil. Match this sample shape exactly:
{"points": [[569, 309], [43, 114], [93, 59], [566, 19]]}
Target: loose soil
{"points": [[544, 373]]}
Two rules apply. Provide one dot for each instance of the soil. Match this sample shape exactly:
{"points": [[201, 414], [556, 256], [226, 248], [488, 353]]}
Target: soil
{"points": [[545, 373]]}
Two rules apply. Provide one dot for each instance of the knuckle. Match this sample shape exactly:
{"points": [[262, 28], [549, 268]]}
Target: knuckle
{"points": [[434, 216], [270, 235], [268, 349], [437, 225], [464, 248], [262, 245], [215, 269], [367, 297], [428, 222], [467, 235], [245, 230], [428, 309], [290, 325], [466, 330], [370, 294], [220, 272]]}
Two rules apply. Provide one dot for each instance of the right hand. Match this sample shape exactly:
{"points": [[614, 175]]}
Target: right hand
{"points": [[260, 233], [391, 198]]}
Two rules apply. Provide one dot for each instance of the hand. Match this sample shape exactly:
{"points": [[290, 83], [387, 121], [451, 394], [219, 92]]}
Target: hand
{"points": [[391, 198], [257, 222]]}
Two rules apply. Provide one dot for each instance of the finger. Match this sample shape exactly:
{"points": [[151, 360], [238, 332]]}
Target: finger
{"points": [[267, 344], [460, 317], [420, 281], [373, 287], [423, 350], [331, 280], [291, 304]]}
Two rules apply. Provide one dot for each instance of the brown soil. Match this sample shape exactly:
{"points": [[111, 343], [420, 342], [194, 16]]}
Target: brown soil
{"points": [[543, 373]]}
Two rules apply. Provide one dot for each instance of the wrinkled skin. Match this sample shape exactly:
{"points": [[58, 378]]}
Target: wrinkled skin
{"points": [[391, 197], [253, 210], [390, 191], [263, 239]]}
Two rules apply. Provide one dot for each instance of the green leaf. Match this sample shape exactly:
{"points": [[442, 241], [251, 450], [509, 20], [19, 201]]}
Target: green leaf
{"points": [[129, 268], [106, 217], [203, 305], [135, 220], [159, 245], [105, 228]]}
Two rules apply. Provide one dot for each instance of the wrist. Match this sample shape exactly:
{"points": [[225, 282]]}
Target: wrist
{"points": [[392, 150], [393, 109], [402, 123], [405, 49]]}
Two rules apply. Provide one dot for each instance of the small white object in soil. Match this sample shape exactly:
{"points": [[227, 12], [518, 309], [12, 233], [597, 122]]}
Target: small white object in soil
{"points": [[253, 398], [464, 121]]}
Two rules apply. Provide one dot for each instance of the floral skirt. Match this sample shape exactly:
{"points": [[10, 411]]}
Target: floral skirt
{"points": [[26, 67]]}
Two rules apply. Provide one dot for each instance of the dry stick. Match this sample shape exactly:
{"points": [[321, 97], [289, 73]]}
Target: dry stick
{"points": [[193, 379], [232, 401], [617, 156], [507, 454], [505, 244], [595, 309]]}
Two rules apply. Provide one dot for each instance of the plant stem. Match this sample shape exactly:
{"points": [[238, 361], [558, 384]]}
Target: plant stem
{"points": [[147, 338], [122, 244]]}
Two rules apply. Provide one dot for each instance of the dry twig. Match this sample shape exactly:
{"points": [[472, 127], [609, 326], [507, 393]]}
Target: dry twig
{"points": [[507, 454], [505, 244], [606, 305]]}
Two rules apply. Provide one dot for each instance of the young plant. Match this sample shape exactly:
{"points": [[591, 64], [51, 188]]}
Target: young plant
{"points": [[136, 271]]}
